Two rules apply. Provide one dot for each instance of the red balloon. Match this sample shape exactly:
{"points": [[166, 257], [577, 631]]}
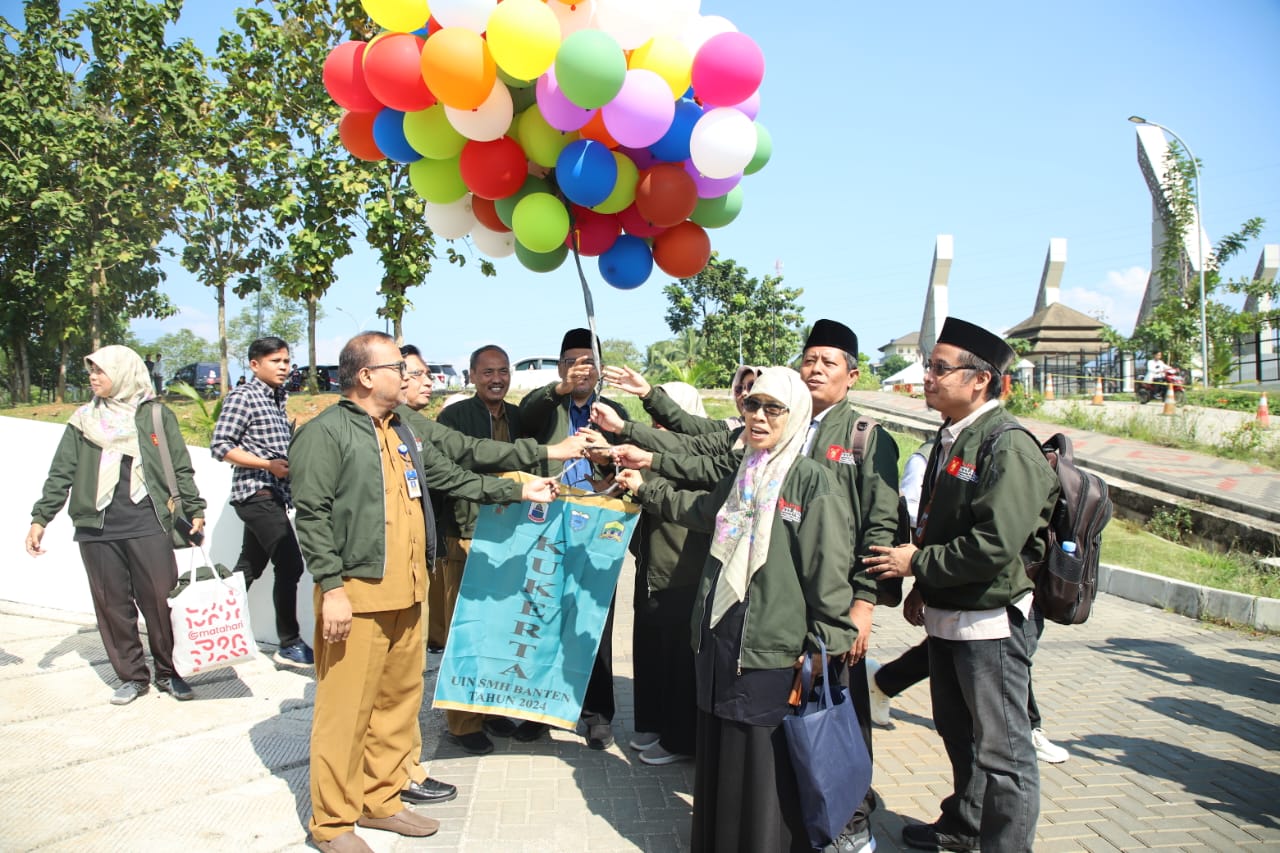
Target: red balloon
{"points": [[666, 194], [636, 225], [356, 132], [344, 78], [595, 232], [393, 70], [487, 215], [494, 170], [682, 251]]}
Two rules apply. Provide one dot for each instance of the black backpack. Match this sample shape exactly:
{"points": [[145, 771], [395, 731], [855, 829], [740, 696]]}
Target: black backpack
{"points": [[1066, 583]]}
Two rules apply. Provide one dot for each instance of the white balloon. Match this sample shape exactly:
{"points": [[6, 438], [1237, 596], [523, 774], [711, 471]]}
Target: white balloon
{"points": [[573, 18], [630, 22], [702, 27], [453, 220], [487, 122], [723, 142], [471, 14], [675, 15], [495, 244]]}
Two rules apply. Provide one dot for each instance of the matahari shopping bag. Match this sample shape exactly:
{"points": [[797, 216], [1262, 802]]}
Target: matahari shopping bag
{"points": [[832, 766], [209, 609]]}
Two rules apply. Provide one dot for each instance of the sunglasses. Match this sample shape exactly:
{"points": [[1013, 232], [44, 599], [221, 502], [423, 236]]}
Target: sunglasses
{"points": [[751, 405]]}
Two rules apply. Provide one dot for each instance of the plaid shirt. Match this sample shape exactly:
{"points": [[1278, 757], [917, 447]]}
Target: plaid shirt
{"points": [[253, 419]]}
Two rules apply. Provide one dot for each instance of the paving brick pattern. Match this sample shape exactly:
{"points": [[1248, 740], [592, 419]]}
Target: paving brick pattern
{"points": [[1173, 728]]}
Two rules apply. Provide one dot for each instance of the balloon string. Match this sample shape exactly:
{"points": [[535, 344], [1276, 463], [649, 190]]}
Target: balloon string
{"points": [[591, 316]]}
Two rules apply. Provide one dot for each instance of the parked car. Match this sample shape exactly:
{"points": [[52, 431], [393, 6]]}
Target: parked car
{"points": [[530, 373], [326, 378], [444, 377], [204, 376]]}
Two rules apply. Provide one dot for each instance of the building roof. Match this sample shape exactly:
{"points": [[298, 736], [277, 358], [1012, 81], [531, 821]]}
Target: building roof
{"points": [[1057, 328], [911, 339]]}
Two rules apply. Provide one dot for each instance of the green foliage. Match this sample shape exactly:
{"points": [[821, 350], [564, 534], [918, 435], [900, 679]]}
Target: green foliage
{"points": [[271, 314], [892, 364], [731, 312], [181, 348], [1223, 398], [867, 379], [616, 351], [203, 418], [1172, 523], [1021, 403]]}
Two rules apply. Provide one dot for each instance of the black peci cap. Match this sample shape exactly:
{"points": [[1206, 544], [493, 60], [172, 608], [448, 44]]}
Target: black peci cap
{"points": [[977, 340], [829, 333]]}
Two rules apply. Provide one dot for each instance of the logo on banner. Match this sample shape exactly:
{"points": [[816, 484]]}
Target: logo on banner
{"points": [[578, 520], [843, 455], [612, 531], [538, 513], [789, 512], [960, 470]]}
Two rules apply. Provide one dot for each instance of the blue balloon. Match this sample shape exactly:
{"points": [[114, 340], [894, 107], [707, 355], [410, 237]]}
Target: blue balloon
{"points": [[673, 147], [627, 264], [388, 133], [586, 172]]}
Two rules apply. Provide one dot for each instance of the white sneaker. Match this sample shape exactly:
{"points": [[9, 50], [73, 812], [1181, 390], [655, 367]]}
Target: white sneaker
{"points": [[658, 756], [1047, 750], [643, 740], [879, 699]]}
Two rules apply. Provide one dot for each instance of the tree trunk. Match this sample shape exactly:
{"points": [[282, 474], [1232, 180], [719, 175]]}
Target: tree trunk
{"points": [[96, 290], [311, 343], [397, 327], [221, 290], [60, 395]]}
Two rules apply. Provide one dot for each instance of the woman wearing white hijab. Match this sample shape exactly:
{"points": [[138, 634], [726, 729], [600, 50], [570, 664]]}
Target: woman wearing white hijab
{"points": [[109, 462], [775, 582]]}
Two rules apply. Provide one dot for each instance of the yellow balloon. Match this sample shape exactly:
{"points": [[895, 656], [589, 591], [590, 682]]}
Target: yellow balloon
{"points": [[403, 16], [668, 58], [624, 191], [523, 37]]}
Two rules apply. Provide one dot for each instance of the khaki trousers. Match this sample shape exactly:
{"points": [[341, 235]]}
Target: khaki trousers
{"points": [[365, 724]]}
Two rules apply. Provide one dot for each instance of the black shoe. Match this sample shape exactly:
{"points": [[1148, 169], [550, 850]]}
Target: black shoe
{"points": [[925, 836], [428, 792], [175, 686], [499, 727], [600, 736], [433, 649], [129, 691], [529, 731], [476, 743]]}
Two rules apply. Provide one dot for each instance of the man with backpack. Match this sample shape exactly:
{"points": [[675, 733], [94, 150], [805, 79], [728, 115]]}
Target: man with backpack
{"points": [[982, 506]]}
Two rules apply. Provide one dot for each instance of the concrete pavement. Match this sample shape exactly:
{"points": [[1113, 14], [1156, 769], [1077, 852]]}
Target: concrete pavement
{"points": [[1173, 728]]}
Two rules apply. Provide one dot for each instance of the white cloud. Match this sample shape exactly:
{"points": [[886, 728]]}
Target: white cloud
{"points": [[1116, 299]]}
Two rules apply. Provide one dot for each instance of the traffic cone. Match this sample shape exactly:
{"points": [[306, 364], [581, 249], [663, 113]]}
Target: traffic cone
{"points": [[1264, 416], [1170, 401], [1048, 386], [1006, 386], [1097, 393]]}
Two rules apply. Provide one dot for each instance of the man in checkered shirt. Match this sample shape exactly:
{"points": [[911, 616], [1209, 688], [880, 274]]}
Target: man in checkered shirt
{"points": [[253, 433]]}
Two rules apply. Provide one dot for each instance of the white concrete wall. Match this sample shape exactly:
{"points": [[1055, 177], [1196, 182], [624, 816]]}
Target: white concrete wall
{"points": [[56, 579]]}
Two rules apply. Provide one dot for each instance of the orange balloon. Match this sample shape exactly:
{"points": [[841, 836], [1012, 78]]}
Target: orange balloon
{"points": [[682, 251], [666, 194], [487, 215], [457, 68], [356, 132], [595, 129]]}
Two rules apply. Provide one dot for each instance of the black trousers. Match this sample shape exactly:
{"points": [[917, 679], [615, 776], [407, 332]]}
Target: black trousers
{"points": [[666, 696], [127, 576], [268, 536], [598, 706]]}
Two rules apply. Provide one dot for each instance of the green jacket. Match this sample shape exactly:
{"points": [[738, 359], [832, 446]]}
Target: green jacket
{"points": [[336, 471], [801, 593], [979, 521], [75, 469], [871, 488], [669, 554], [544, 415], [665, 411], [470, 420]]}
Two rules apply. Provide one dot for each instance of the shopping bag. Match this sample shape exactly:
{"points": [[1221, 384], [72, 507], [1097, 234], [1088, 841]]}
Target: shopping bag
{"points": [[832, 766], [209, 610]]}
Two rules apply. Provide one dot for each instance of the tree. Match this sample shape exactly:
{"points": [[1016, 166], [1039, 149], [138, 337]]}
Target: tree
{"points": [[183, 347], [892, 364], [616, 351], [272, 314], [737, 318]]}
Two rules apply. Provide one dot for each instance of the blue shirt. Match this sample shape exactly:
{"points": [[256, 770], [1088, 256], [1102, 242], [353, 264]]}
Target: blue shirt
{"points": [[578, 473]]}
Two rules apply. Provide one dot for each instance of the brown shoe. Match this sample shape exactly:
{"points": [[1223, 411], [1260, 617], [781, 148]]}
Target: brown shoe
{"points": [[347, 842], [405, 822]]}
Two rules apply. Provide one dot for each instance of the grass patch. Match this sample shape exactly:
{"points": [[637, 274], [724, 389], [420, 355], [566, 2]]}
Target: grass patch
{"points": [[1126, 543]]}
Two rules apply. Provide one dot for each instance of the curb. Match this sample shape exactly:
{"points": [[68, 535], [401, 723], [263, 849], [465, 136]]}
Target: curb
{"points": [[1188, 599]]}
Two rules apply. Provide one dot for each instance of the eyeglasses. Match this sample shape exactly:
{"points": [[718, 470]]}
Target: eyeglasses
{"points": [[941, 368], [415, 374], [568, 362], [751, 405], [398, 365]]}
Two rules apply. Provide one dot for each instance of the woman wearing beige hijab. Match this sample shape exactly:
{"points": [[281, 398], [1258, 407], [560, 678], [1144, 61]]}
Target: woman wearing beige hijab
{"points": [[109, 461], [776, 582]]}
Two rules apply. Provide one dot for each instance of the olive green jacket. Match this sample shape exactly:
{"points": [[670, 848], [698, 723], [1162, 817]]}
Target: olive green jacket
{"points": [[470, 419], [544, 415]]}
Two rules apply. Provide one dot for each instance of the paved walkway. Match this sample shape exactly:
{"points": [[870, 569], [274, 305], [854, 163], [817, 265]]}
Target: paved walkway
{"points": [[1238, 486], [1173, 728]]}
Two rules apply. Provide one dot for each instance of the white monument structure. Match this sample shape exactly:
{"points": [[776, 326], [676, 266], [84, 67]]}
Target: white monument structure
{"points": [[1051, 279], [935, 302]]}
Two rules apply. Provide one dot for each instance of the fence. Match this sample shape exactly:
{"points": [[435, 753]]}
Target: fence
{"points": [[1076, 373], [1255, 357]]}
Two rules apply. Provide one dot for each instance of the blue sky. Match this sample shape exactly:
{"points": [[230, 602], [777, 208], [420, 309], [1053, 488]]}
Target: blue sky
{"points": [[1002, 123]]}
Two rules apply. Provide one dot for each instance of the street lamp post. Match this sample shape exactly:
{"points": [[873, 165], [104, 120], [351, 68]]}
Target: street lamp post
{"points": [[1195, 171]]}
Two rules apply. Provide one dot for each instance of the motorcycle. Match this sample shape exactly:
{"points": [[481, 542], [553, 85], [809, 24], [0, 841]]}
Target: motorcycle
{"points": [[1148, 391]]}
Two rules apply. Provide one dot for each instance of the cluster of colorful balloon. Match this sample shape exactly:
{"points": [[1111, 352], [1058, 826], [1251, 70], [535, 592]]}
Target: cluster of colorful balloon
{"points": [[621, 126]]}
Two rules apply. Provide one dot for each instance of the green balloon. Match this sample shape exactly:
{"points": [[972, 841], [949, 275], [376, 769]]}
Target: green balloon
{"points": [[624, 190], [522, 99], [431, 135], [590, 68], [504, 207], [540, 222], [764, 150], [514, 82], [718, 212], [542, 142], [541, 261], [439, 181]]}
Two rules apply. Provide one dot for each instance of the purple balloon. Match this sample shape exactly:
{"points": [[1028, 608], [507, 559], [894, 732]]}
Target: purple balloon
{"points": [[751, 106], [642, 110], [711, 187], [560, 112], [642, 157]]}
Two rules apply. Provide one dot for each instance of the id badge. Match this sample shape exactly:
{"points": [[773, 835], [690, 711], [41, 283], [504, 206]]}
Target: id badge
{"points": [[415, 488]]}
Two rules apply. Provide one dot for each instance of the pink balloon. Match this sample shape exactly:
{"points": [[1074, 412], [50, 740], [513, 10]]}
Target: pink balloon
{"points": [[642, 110], [727, 69], [711, 187], [558, 110]]}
